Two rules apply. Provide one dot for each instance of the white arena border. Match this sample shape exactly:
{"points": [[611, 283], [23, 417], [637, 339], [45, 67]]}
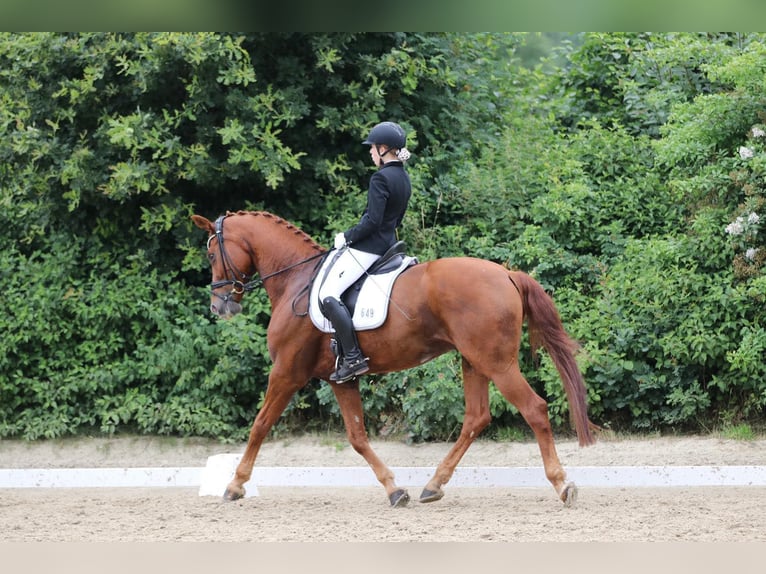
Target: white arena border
{"points": [[213, 478]]}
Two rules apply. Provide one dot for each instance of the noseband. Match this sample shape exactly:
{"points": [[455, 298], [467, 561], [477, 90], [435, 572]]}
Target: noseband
{"points": [[240, 282]]}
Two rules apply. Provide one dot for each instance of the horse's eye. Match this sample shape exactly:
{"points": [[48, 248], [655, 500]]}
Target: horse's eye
{"points": [[211, 257]]}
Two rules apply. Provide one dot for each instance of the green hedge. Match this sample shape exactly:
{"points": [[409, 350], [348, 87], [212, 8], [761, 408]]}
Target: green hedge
{"points": [[625, 172]]}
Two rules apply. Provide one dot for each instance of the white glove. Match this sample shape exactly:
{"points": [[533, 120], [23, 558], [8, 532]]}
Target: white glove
{"points": [[340, 240]]}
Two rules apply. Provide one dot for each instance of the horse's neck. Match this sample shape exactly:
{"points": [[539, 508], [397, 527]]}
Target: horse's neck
{"points": [[281, 250]]}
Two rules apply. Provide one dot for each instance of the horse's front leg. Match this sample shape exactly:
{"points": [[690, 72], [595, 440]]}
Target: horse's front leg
{"points": [[477, 416], [350, 402], [278, 395]]}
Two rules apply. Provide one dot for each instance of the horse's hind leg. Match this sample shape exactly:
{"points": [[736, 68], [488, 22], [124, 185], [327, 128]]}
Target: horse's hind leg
{"points": [[477, 417], [350, 403], [534, 409]]}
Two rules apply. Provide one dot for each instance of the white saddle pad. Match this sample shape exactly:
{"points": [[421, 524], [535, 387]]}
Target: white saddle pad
{"points": [[371, 307]]}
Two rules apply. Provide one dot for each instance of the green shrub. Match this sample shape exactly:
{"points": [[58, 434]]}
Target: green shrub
{"points": [[626, 172]]}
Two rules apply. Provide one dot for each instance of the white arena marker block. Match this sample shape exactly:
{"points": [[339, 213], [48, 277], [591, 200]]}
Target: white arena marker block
{"points": [[217, 475]]}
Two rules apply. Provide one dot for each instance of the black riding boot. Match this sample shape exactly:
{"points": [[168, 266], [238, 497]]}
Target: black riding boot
{"points": [[352, 362]]}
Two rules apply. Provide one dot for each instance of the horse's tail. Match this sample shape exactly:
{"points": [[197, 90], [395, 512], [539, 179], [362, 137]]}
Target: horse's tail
{"points": [[546, 330]]}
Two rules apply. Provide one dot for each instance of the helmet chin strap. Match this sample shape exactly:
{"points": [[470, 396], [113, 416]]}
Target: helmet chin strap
{"points": [[382, 155]]}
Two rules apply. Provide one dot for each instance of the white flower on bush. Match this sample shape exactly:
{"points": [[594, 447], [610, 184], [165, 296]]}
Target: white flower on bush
{"points": [[757, 132], [750, 254], [736, 227], [742, 224], [745, 152]]}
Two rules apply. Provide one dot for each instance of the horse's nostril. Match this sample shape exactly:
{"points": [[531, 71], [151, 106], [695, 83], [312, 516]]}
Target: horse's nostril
{"points": [[214, 309]]}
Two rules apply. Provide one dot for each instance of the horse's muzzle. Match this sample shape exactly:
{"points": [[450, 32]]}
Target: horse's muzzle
{"points": [[225, 306], [225, 309]]}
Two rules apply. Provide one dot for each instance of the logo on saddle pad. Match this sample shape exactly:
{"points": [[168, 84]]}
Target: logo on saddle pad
{"points": [[368, 298]]}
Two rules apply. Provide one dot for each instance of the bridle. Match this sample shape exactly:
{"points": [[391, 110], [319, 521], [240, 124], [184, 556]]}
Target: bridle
{"points": [[241, 282]]}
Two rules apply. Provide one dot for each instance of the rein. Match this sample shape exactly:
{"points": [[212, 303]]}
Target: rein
{"points": [[242, 285]]}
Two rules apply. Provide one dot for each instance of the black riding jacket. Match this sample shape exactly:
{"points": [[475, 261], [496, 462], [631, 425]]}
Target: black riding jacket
{"points": [[387, 199]]}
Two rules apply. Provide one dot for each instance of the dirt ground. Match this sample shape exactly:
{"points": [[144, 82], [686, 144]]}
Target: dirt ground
{"points": [[362, 514]]}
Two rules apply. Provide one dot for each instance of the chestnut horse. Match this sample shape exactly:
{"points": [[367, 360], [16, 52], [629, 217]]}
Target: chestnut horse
{"points": [[470, 305]]}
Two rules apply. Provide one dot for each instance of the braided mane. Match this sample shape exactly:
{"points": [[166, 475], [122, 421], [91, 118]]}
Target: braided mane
{"points": [[282, 222]]}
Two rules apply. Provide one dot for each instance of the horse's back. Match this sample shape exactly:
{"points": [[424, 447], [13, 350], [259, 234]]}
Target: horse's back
{"points": [[467, 274], [454, 283]]}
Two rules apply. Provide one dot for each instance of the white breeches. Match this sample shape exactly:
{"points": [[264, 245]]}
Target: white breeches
{"points": [[350, 266]]}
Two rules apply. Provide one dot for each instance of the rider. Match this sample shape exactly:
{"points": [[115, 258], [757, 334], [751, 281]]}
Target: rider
{"points": [[360, 246]]}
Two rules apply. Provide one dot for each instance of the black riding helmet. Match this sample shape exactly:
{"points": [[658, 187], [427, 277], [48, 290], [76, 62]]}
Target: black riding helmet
{"points": [[387, 133]]}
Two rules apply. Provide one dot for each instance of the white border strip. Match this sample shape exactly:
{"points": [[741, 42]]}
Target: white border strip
{"points": [[507, 477], [98, 477], [210, 478]]}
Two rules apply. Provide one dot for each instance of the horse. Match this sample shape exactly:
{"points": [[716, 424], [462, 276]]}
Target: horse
{"points": [[471, 305]]}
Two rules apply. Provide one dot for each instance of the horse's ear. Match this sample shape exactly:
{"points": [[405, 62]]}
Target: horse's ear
{"points": [[203, 223]]}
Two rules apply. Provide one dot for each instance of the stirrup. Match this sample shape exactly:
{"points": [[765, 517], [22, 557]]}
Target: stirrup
{"points": [[347, 371]]}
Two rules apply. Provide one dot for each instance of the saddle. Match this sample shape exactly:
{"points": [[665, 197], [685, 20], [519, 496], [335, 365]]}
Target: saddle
{"points": [[367, 299]]}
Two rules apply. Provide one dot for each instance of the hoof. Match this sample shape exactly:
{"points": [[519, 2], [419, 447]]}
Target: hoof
{"points": [[399, 498], [569, 495], [233, 494], [431, 495]]}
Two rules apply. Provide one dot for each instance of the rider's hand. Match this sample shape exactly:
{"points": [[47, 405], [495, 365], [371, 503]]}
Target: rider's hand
{"points": [[340, 240]]}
